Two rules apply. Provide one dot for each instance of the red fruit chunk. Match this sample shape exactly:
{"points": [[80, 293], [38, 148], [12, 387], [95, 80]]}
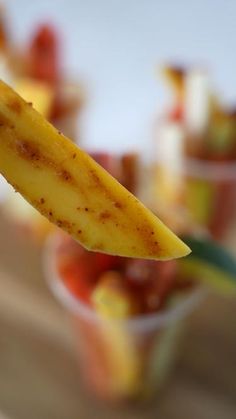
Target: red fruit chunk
{"points": [[105, 262], [108, 161], [151, 282], [177, 113], [161, 284], [43, 55], [224, 210], [78, 273], [139, 271]]}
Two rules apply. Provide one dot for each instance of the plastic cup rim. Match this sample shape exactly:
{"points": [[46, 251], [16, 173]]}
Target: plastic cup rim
{"points": [[210, 169], [205, 169]]}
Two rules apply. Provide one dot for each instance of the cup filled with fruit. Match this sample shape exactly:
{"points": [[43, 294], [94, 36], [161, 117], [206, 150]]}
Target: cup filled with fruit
{"points": [[195, 167], [127, 315]]}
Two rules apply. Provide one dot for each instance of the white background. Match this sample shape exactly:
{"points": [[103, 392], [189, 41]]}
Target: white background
{"points": [[117, 45]]}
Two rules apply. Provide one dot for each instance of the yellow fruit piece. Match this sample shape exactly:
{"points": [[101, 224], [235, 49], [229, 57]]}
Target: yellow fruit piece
{"points": [[124, 358], [110, 299], [115, 305], [40, 94], [175, 77], [73, 191], [168, 186], [199, 195]]}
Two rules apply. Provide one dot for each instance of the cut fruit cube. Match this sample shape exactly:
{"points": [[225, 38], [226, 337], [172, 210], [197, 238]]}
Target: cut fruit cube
{"points": [[111, 299]]}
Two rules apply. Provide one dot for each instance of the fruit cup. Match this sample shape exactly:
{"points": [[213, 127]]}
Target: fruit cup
{"points": [[195, 158], [210, 195], [125, 359], [205, 199]]}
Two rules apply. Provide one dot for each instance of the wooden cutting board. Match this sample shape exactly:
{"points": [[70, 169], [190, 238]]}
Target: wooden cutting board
{"points": [[39, 378]]}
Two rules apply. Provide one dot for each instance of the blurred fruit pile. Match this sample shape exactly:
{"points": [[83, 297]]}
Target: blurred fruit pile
{"points": [[121, 360], [194, 173], [119, 363], [35, 71], [209, 126]]}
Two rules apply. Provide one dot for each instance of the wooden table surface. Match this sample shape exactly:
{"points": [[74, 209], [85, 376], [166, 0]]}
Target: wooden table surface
{"points": [[39, 378]]}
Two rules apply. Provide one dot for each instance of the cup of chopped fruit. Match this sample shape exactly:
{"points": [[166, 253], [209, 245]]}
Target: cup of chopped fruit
{"points": [[195, 156], [205, 198], [127, 315]]}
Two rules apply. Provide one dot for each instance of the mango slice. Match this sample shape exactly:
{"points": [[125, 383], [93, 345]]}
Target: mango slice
{"points": [[73, 191]]}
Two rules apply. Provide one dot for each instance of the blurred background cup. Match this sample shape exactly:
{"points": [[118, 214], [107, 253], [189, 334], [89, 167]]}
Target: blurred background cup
{"points": [[121, 360], [209, 196], [194, 156], [200, 196]]}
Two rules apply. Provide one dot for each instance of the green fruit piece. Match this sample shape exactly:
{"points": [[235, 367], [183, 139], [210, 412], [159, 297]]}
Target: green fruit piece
{"points": [[210, 264], [221, 137], [199, 199]]}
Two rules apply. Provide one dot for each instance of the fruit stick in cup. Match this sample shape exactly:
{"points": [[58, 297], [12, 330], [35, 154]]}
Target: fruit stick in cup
{"points": [[115, 304], [73, 191], [169, 153], [199, 199], [111, 299], [221, 136]]}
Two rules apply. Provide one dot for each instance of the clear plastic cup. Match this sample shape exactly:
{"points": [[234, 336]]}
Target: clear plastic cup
{"points": [[201, 195], [121, 361]]}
